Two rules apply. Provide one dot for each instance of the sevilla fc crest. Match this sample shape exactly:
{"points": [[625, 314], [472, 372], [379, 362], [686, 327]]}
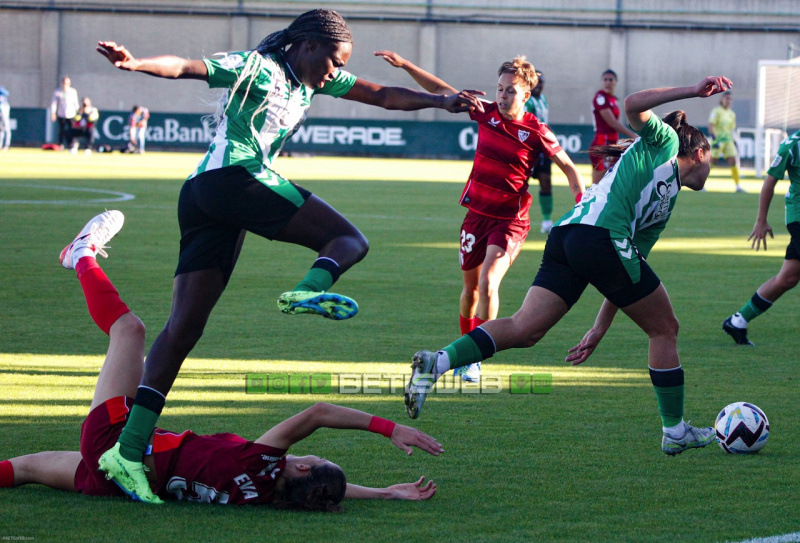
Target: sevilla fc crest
{"points": [[523, 135]]}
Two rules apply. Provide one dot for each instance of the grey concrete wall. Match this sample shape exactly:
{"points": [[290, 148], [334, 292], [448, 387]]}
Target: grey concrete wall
{"points": [[37, 47]]}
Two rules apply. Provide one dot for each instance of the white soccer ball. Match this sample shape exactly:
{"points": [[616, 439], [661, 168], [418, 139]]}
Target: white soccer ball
{"points": [[742, 428]]}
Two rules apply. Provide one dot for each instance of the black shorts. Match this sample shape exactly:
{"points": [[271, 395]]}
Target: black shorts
{"points": [[793, 249], [577, 255], [543, 165], [217, 207]]}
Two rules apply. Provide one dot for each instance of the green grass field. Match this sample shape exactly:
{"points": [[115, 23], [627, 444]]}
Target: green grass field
{"points": [[580, 464]]}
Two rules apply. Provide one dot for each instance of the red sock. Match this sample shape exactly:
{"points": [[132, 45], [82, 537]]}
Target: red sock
{"points": [[105, 305], [465, 324], [6, 474], [476, 322]]}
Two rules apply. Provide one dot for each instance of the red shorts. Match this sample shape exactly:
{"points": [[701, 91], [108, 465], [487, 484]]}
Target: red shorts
{"points": [[100, 432], [479, 231], [599, 163]]}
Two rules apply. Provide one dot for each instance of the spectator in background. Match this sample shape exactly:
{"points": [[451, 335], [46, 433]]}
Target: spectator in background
{"points": [[63, 109], [83, 126], [137, 128], [5, 120]]}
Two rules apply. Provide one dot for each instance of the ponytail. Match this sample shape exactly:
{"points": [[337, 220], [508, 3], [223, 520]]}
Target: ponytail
{"points": [[689, 137]]}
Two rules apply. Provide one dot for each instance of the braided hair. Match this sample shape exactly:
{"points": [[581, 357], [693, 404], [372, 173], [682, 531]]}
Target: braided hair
{"points": [[323, 25], [320, 24]]}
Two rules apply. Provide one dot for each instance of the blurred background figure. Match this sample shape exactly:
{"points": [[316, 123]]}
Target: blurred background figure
{"points": [[137, 128], [83, 127], [721, 126], [607, 128], [63, 109], [5, 120]]}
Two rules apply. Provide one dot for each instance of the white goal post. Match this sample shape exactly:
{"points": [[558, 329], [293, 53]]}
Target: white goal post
{"points": [[777, 107]]}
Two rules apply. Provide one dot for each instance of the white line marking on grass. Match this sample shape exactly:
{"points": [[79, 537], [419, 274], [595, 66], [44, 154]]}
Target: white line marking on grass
{"points": [[120, 196], [785, 538]]}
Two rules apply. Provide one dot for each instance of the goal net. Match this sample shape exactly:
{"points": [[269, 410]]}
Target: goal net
{"points": [[778, 107]]}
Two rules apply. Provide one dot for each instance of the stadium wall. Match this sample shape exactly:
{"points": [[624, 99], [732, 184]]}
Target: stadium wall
{"points": [[647, 47]]}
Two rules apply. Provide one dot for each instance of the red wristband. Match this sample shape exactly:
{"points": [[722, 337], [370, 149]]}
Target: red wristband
{"points": [[381, 426], [578, 198]]}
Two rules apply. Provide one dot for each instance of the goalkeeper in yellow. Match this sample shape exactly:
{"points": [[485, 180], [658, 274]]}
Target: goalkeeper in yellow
{"points": [[721, 124]]}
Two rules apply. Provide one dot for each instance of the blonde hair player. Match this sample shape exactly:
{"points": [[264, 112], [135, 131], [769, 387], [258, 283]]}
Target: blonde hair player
{"points": [[510, 141]]}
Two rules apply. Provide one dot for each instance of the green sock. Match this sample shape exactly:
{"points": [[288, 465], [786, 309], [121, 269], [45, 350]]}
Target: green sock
{"points": [[668, 384], [546, 205], [670, 405], [134, 437], [316, 280], [463, 352], [754, 307]]}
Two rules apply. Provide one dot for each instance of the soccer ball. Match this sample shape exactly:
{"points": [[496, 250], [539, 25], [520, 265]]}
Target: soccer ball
{"points": [[742, 428]]}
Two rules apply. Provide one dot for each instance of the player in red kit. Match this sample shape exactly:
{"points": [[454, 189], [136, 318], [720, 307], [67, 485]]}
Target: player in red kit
{"points": [[510, 141], [606, 123], [220, 468]]}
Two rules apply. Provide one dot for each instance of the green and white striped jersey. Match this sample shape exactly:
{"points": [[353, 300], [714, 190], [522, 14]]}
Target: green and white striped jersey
{"points": [[636, 196], [250, 141], [538, 106], [788, 160]]}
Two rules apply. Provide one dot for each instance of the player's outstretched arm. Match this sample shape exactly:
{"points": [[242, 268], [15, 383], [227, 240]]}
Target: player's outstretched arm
{"points": [[426, 80], [417, 491], [639, 104], [405, 99], [167, 66], [580, 352], [325, 415], [762, 227]]}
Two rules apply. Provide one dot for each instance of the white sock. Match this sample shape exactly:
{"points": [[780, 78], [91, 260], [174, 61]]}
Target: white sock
{"points": [[442, 363], [738, 321], [80, 252], [676, 431]]}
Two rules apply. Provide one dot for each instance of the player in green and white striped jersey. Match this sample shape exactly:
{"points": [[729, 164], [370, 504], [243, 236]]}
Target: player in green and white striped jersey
{"points": [[234, 190], [542, 170], [603, 241], [787, 160]]}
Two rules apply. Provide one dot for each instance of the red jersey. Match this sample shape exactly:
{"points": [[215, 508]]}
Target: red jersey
{"points": [[507, 151], [603, 100], [220, 468]]}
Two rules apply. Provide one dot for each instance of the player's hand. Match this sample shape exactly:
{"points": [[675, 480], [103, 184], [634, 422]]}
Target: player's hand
{"points": [[117, 55], [406, 437], [759, 234], [413, 491], [391, 57], [712, 85], [466, 100], [580, 352]]}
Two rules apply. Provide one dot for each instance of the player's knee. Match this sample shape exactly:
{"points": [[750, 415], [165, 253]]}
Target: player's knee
{"points": [[789, 280], [361, 245], [129, 326]]}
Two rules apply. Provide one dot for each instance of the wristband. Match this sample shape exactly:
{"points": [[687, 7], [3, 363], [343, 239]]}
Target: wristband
{"points": [[381, 426], [578, 198]]}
